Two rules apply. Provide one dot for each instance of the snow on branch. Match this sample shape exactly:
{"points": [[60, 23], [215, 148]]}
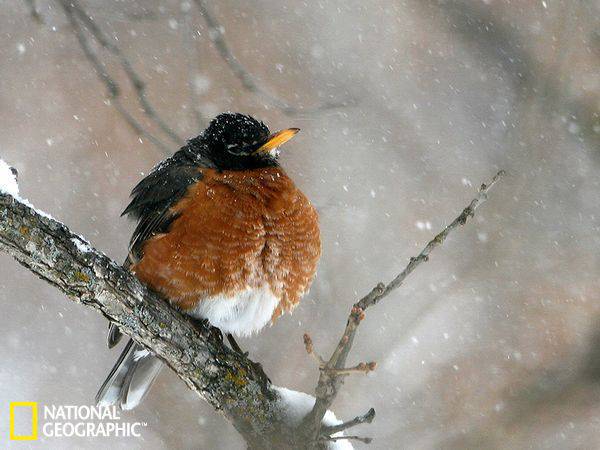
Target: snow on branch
{"points": [[8, 180]]}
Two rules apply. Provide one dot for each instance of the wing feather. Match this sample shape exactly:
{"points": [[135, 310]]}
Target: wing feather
{"points": [[154, 196]]}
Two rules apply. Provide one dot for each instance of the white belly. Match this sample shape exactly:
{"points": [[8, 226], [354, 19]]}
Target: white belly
{"points": [[242, 314]]}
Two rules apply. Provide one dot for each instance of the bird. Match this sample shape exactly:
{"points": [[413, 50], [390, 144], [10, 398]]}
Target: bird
{"points": [[223, 234]]}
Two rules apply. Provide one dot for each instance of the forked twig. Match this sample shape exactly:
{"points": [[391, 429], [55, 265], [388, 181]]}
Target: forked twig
{"points": [[331, 375]]}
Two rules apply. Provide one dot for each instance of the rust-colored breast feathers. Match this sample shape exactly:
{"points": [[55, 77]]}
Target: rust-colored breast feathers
{"points": [[236, 230]]}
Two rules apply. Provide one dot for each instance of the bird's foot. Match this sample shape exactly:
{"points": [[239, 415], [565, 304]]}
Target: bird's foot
{"points": [[235, 347], [216, 333], [262, 376], [258, 368], [203, 324]]}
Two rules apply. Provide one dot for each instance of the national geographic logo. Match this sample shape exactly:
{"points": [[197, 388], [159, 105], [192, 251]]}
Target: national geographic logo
{"points": [[33, 406], [64, 421]]}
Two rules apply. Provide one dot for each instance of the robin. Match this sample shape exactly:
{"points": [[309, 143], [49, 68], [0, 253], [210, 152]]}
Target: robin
{"points": [[223, 234]]}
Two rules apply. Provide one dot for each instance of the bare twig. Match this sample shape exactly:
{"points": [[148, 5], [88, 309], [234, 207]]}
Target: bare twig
{"points": [[359, 368], [136, 81], [110, 83], [365, 418], [241, 73], [330, 380], [308, 344], [72, 8], [364, 440], [33, 11], [376, 295]]}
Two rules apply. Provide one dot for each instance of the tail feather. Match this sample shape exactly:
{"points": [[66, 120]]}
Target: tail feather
{"points": [[130, 379], [114, 335]]}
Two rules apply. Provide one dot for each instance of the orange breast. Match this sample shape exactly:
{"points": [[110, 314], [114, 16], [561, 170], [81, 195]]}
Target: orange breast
{"points": [[236, 230]]}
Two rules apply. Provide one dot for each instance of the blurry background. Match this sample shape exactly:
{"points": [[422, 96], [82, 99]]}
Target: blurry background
{"points": [[495, 343]]}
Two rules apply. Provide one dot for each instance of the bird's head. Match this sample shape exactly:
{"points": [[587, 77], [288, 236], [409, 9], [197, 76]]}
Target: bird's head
{"points": [[236, 141]]}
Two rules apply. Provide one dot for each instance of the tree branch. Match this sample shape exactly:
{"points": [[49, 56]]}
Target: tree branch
{"points": [[215, 32], [333, 371], [75, 13], [225, 379]]}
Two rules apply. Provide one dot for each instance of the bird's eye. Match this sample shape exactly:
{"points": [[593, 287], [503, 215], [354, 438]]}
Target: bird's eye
{"points": [[241, 148]]}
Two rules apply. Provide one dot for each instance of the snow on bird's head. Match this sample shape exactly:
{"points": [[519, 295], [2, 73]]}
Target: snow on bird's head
{"points": [[235, 133]]}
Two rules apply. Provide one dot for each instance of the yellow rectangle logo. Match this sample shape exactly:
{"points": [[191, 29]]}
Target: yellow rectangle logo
{"points": [[34, 421]]}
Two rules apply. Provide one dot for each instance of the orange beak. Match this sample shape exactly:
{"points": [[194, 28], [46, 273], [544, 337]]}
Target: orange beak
{"points": [[277, 139]]}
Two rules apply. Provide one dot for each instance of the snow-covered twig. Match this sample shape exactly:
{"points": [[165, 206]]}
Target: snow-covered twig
{"points": [[332, 373]]}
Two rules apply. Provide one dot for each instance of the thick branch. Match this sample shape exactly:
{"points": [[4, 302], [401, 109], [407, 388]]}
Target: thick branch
{"points": [[225, 379], [332, 373]]}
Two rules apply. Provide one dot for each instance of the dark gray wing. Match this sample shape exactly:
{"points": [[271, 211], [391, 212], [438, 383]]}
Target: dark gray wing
{"points": [[151, 202], [154, 196]]}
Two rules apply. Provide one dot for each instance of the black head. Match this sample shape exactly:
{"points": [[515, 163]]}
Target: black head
{"points": [[236, 141]]}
